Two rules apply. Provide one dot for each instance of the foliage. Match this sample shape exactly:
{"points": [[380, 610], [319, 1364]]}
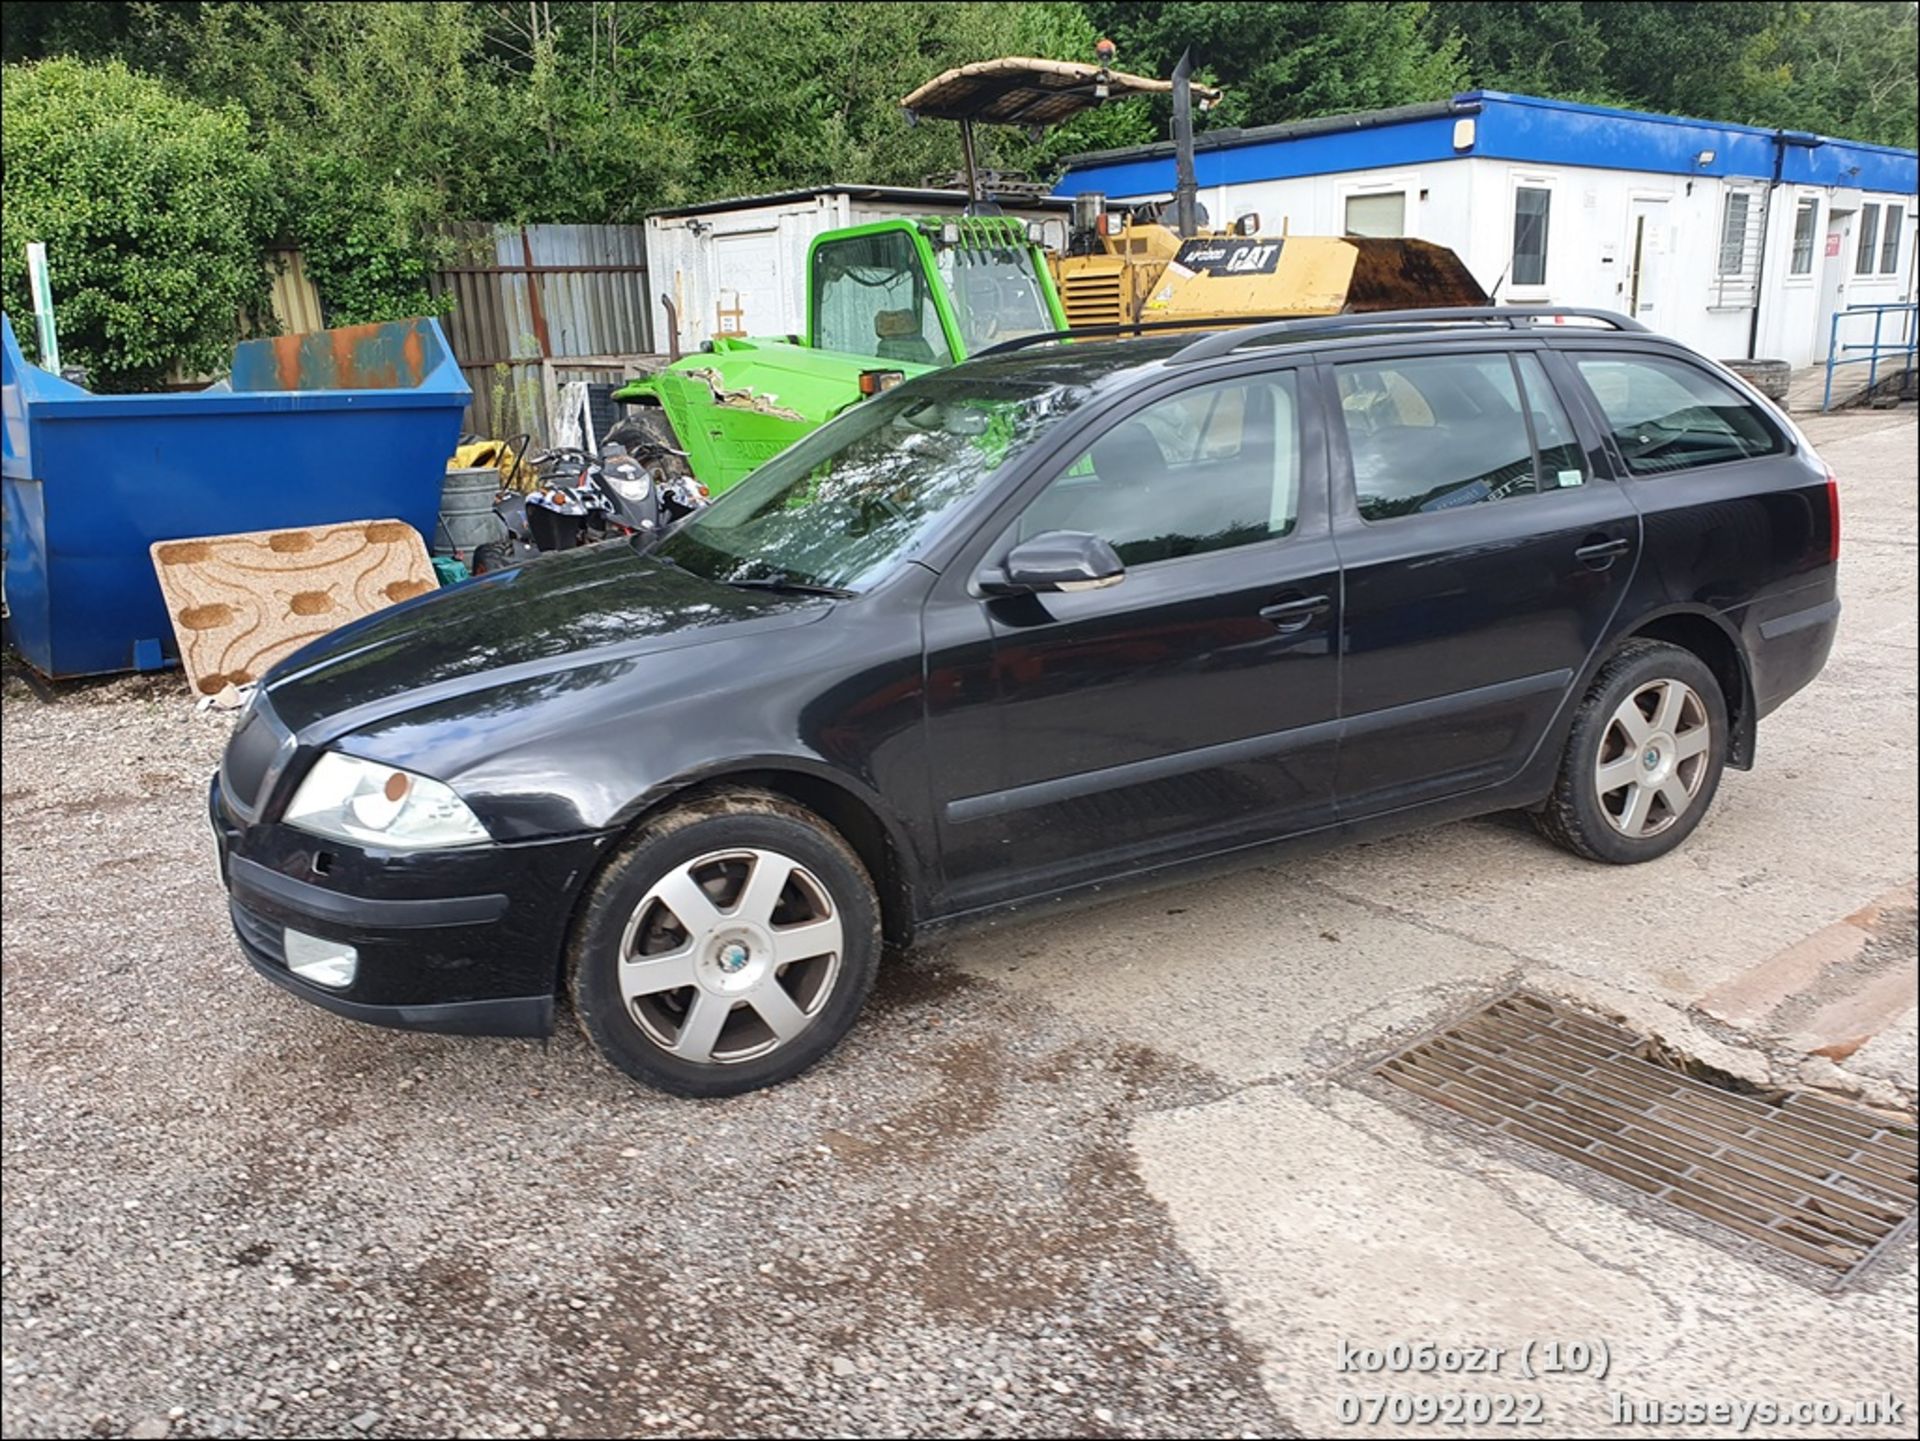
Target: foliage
{"points": [[377, 122], [154, 209], [1845, 68], [1289, 60]]}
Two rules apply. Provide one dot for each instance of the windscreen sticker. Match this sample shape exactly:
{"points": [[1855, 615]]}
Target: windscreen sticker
{"points": [[1231, 255]]}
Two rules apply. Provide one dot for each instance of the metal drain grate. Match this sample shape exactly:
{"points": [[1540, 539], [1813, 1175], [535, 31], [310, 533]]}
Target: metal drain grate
{"points": [[1823, 1183]]}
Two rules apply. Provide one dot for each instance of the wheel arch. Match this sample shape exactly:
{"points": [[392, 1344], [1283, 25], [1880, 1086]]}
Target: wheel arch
{"points": [[859, 820], [1709, 637]]}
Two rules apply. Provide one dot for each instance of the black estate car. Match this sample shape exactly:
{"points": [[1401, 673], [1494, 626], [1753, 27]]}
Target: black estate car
{"points": [[1068, 615]]}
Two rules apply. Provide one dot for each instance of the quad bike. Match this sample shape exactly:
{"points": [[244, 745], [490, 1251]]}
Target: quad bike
{"points": [[578, 498]]}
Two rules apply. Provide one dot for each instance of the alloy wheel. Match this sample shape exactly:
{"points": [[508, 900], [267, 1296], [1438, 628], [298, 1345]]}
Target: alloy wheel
{"points": [[1653, 758], [730, 956]]}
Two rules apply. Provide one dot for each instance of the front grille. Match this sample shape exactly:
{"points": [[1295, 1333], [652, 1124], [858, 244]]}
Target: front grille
{"points": [[259, 933], [1826, 1184]]}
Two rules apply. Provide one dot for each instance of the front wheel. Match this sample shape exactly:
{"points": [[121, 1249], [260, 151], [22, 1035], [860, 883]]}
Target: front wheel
{"points": [[728, 946], [646, 434], [1643, 759]]}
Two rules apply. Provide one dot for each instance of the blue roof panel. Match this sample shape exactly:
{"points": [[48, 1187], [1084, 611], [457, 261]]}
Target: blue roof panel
{"points": [[1525, 128]]}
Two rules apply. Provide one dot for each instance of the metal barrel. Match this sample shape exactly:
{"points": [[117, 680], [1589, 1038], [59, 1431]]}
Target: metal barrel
{"points": [[466, 510]]}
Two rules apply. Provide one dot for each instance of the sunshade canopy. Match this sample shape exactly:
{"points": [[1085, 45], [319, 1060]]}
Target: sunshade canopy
{"points": [[1022, 91]]}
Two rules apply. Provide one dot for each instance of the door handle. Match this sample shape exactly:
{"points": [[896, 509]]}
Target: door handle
{"points": [[1599, 552], [1297, 614]]}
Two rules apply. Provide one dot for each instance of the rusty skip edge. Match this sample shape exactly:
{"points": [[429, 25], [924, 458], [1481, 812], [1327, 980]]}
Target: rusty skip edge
{"points": [[384, 355]]}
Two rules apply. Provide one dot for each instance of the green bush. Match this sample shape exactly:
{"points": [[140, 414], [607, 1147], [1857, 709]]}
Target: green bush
{"points": [[155, 211]]}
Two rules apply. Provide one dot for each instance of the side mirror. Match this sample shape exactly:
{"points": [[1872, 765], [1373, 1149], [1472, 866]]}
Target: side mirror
{"points": [[1059, 560]]}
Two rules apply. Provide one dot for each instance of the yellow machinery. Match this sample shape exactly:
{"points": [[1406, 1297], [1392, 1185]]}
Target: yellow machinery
{"points": [[1144, 271], [1125, 266]]}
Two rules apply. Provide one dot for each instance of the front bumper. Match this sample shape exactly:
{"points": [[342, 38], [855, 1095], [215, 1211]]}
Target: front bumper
{"points": [[467, 941]]}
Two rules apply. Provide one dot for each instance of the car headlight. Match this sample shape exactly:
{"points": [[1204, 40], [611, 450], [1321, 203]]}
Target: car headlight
{"points": [[355, 800]]}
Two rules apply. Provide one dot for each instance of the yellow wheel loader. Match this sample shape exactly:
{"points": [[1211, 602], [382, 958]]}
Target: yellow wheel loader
{"points": [[1125, 266]]}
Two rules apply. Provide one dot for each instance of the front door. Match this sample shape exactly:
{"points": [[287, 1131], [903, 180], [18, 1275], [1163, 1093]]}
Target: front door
{"points": [[1647, 262], [1188, 709], [1836, 266], [1485, 557]]}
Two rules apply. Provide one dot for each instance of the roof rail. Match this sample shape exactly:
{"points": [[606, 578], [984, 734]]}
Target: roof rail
{"points": [[1220, 335], [1225, 342], [1197, 328]]}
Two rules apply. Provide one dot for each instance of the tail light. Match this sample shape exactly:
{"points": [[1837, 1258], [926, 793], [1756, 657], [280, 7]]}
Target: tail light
{"points": [[1833, 518]]}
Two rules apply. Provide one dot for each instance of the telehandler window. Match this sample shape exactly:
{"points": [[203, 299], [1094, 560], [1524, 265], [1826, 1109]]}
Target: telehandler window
{"points": [[870, 297]]}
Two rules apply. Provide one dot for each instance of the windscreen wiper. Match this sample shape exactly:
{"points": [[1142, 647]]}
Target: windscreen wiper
{"points": [[782, 582]]}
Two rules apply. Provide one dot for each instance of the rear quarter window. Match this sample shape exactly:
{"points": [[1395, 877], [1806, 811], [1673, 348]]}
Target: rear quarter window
{"points": [[1666, 415]]}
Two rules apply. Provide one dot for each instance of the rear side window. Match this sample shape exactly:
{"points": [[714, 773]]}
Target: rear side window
{"points": [[1438, 432], [1667, 415]]}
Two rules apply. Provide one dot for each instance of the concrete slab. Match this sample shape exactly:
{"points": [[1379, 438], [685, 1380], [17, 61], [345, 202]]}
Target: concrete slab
{"points": [[1257, 975], [1332, 1221], [1843, 1026], [1755, 994]]}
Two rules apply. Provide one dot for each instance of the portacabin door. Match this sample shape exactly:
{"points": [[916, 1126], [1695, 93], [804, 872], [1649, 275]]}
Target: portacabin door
{"points": [[1188, 709], [1485, 555]]}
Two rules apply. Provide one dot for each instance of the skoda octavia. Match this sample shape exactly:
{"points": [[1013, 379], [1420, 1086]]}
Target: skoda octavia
{"points": [[1066, 615]]}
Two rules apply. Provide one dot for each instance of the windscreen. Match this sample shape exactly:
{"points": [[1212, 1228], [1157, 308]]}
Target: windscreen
{"points": [[862, 494], [996, 295]]}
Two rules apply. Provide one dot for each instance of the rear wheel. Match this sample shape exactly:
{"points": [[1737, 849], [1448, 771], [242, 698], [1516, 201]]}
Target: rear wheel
{"points": [[494, 555], [1643, 759], [728, 946]]}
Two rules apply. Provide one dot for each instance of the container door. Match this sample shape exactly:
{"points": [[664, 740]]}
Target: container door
{"points": [[746, 282]]}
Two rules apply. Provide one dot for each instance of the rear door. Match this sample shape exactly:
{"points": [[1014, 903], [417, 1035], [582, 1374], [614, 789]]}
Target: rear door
{"points": [[1485, 555], [1739, 520]]}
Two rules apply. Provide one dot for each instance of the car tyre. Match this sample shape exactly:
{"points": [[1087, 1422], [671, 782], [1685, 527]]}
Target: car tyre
{"points": [[726, 946], [491, 556], [1643, 758], [646, 434]]}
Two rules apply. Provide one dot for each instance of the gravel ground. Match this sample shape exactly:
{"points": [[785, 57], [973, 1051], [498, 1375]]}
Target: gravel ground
{"points": [[230, 1214]]}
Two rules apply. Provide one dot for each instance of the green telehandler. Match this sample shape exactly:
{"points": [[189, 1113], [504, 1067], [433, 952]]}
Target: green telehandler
{"points": [[885, 302]]}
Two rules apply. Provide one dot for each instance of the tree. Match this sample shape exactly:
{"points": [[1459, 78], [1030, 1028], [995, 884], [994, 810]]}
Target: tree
{"points": [[1850, 70], [1532, 47], [1284, 61], [1842, 67], [155, 212]]}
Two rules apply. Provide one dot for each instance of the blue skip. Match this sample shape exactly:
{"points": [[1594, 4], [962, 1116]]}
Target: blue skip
{"points": [[348, 424]]}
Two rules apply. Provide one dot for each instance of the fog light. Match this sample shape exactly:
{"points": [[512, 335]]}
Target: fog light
{"points": [[324, 962]]}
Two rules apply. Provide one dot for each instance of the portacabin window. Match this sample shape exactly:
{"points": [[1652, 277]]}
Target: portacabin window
{"points": [[1892, 231], [1532, 205], [1806, 219], [1867, 243], [1381, 213], [1734, 216]]}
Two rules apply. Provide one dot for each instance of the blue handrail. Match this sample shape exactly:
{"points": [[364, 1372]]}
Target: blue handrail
{"points": [[1908, 345]]}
